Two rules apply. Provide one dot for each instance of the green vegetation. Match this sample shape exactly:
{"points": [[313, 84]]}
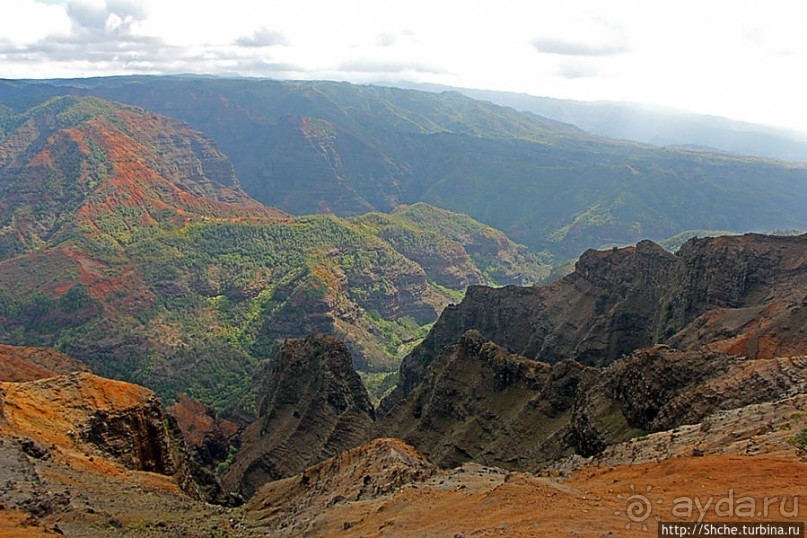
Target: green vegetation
{"points": [[799, 440], [308, 147], [191, 301], [187, 300], [379, 384], [420, 231], [223, 466], [673, 243]]}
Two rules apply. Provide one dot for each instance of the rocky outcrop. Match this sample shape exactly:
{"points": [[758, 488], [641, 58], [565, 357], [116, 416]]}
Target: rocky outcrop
{"points": [[481, 403], [83, 412], [290, 506], [98, 423], [660, 388], [766, 428], [209, 438], [312, 405], [31, 363], [738, 294]]}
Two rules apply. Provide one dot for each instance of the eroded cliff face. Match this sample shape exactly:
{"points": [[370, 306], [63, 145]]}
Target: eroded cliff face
{"points": [[81, 413], [480, 403], [742, 295], [209, 437], [745, 295], [387, 487], [89, 422], [312, 406]]}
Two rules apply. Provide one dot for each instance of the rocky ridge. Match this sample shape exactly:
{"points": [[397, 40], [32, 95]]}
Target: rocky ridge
{"points": [[288, 507], [737, 294], [86, 421], [480, 403], [312, 405], [766, 428]]}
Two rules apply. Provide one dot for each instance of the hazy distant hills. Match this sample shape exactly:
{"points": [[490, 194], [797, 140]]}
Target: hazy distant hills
{"points": [[126, 239], [655, 125], [307, 147]]}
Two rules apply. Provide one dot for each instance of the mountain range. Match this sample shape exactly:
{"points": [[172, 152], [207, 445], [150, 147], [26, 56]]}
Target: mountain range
{"points": [[174, 254], [312, 147], [650, 124]]}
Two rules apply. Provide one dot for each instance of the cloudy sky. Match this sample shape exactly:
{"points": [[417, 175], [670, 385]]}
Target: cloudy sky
{"points": [[743, 59]]}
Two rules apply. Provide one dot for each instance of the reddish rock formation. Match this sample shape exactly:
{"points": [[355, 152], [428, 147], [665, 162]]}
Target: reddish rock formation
{"points": [[85, 414], [206, 435], [367, 472], [31, 363], [88, 421]]}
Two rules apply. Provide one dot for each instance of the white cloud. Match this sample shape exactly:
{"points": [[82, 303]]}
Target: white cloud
{"points": [[25, 21], [583, 37], [383, 67], [263, 37]]}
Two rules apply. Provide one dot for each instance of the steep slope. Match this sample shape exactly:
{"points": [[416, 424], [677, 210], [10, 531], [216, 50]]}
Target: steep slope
{"points": [[455, 250], [334, 147], [98, 166], [82, 412], [58, 482], [312, 406], [210, 438], [479, 403], [81, 180], [739, 294], [80, 454]]}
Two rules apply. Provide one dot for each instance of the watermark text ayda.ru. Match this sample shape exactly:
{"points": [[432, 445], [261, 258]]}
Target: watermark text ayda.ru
{"points": [[733, 506], [641, 507]]}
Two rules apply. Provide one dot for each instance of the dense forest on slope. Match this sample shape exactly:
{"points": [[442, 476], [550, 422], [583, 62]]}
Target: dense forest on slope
{"points": [[126, 239], [307, 147]]}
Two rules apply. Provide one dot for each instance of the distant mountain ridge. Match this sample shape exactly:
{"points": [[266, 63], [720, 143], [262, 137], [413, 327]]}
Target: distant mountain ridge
{"points": [[307, 147], [655, 125]]}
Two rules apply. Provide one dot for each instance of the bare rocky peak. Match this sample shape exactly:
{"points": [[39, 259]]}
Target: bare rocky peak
{"points": [[370, 471], [312, 405]]}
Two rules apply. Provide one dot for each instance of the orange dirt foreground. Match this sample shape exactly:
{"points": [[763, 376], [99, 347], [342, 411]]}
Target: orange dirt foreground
{"points": [[480, 501]]}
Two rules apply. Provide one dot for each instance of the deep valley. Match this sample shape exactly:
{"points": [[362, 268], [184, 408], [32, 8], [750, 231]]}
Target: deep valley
{"points": [[237, 307]]}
